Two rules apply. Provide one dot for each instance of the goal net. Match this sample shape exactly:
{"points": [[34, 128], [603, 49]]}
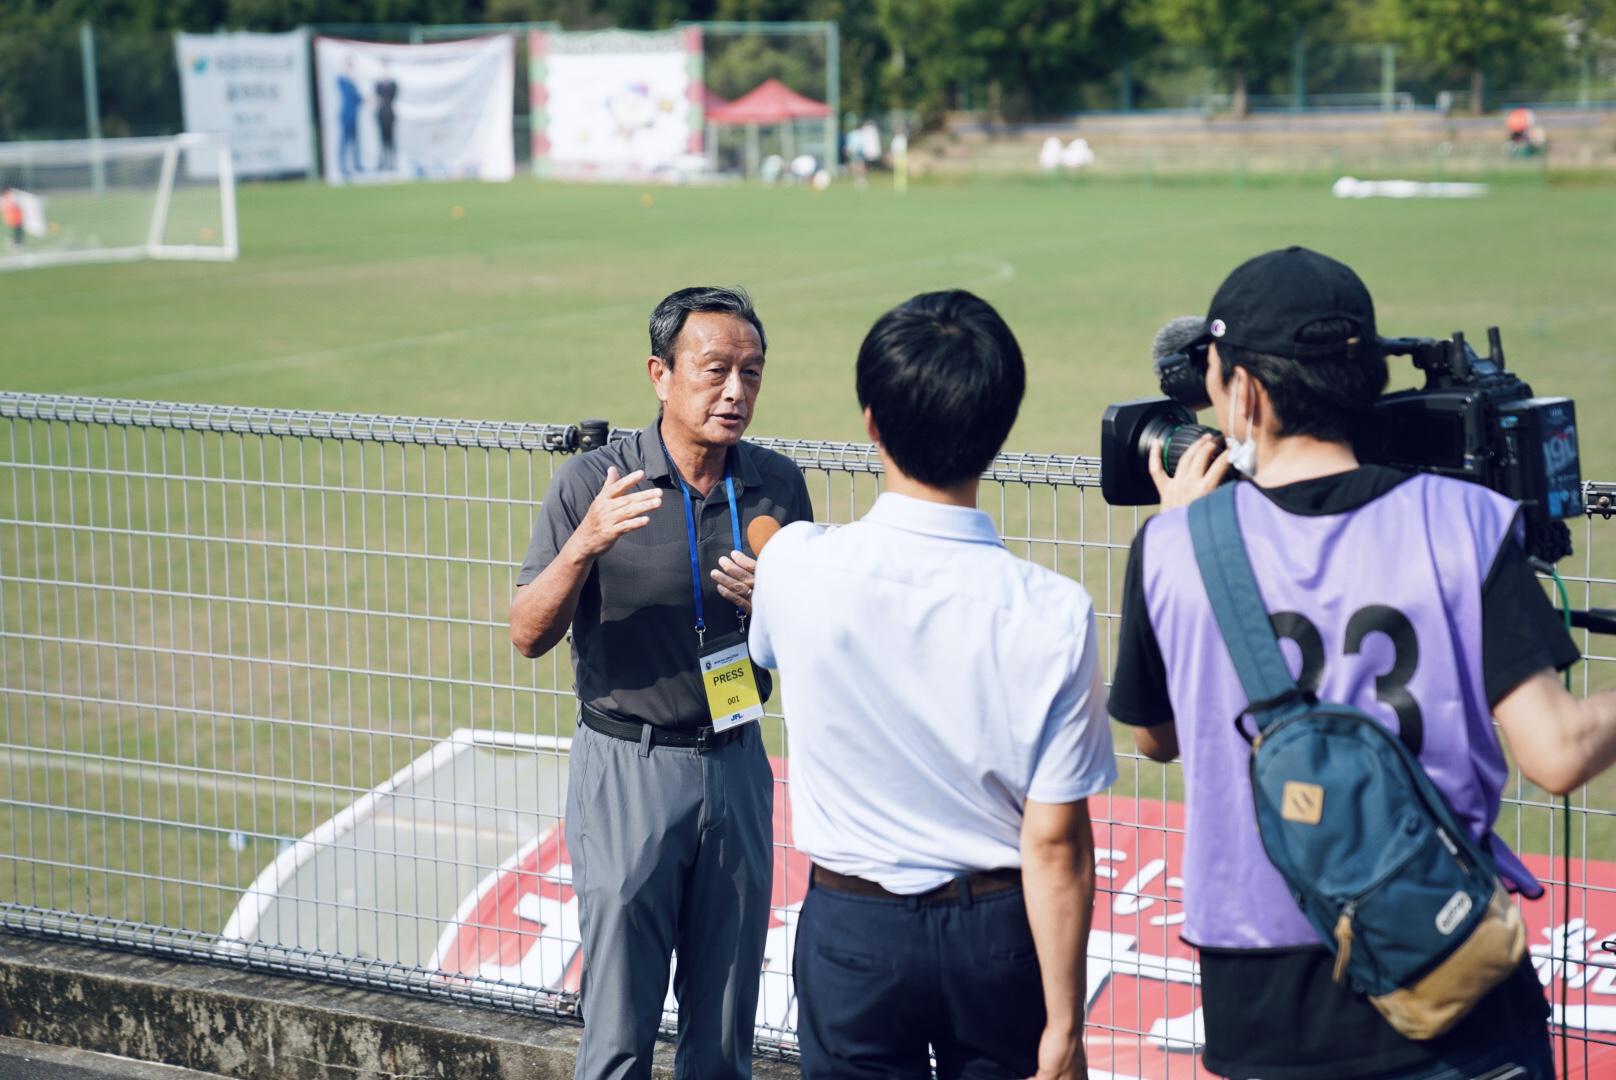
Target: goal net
{"points": [[115, 199]]}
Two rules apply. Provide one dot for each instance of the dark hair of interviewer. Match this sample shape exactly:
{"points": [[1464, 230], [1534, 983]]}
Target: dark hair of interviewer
{"points": [[1326, 397], [943, 377], [670, 315]]}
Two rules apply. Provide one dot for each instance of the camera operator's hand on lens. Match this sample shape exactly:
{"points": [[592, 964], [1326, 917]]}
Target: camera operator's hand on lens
{"points": [[617, 510], [1200, 471], [735, 575]]}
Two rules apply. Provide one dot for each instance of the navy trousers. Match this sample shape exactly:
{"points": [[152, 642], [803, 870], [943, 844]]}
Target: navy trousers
{"points": [[882, 984]]}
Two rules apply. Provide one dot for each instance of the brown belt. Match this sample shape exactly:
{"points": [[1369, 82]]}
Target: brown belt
{"points": [[981, 883]]}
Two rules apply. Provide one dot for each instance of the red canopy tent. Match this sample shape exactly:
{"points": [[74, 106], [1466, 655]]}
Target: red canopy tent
{"points": [[769, 104], [711, 101]]}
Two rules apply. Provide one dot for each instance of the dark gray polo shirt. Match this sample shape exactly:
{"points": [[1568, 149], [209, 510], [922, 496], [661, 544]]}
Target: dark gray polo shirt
{"points": [[633, 636]]}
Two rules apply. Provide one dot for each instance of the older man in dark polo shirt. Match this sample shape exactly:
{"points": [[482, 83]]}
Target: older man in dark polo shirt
{"points": [[639, 549]]}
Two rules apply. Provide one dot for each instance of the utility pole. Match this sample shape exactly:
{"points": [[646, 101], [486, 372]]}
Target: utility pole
{"points": [[92, 107]]}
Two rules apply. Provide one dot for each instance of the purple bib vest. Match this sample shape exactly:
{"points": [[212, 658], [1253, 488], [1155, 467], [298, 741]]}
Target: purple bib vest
{"points": [[1382, 605]]}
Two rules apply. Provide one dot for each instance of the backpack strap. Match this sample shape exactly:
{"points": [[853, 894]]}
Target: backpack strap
{"points": [[1237, 604]]}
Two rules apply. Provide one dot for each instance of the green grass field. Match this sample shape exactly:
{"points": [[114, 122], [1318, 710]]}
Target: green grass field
{"points": [[530, 303]]}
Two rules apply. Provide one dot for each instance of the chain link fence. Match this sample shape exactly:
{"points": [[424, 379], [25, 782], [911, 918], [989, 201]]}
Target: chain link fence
{"points": [[259, 707]]}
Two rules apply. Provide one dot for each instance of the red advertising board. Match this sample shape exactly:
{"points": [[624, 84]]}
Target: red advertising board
{"points": [[520, 927]]}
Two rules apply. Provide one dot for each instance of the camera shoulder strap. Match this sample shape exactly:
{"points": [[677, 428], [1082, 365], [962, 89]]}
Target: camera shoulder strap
{"points": [[1237, 604]]}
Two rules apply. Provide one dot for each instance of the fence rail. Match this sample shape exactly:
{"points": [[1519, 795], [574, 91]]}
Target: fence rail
{"points": [[257, 706]]}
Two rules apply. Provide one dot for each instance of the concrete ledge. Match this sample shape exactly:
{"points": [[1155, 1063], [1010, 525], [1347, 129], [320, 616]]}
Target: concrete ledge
{"points": [[249, 1024], [42, 1061]]}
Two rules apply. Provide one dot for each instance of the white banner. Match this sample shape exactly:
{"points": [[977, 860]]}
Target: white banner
{"points": [[416, 112], [617, 104], [253, 90]]}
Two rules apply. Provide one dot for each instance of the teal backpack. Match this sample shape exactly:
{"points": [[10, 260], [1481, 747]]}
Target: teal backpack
{"points": [[1408, 903]]}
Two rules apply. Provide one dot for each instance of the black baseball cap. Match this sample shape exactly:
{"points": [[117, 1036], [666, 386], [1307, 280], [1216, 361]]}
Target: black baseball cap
{"points": [[1268, 303]]}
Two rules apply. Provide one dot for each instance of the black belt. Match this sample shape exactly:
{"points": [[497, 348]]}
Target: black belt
{"points": [[635, 731], [981, 883]]}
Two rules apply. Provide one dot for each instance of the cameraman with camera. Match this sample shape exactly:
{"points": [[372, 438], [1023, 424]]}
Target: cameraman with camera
{"points": [[1406, 595]]}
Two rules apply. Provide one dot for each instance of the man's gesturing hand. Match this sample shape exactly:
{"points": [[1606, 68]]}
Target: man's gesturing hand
{"points": [[735, 576], [616, 511]]}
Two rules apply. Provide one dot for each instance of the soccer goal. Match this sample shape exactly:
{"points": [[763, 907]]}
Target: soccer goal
{"points": [[109, 200]]}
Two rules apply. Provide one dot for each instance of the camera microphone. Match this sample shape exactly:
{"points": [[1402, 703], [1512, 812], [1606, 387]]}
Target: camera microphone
{"points": [[1177, 337], [1180, 357]]}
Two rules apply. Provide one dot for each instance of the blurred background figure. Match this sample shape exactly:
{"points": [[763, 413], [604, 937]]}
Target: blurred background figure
{"points": [[11, 215], [1049, 155], [386, 94], [348, 148], [1077, 155], [1526, 135]]}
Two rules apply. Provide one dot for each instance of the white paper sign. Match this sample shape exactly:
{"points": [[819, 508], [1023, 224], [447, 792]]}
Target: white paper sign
{"points": [[252, 89], [616, 104]]}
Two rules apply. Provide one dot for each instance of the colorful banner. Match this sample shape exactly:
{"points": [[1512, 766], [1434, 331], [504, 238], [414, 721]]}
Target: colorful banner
{"points": [[617, 104], [253, 90], [416, 112], [520, 925]]}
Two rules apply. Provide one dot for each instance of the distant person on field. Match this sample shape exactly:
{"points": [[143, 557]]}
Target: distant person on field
{"points": [[870, 139], [853, 151], [386, 95], [11, 215], [946, 709], [1049, 155], [348, 116], [1526, 135]]}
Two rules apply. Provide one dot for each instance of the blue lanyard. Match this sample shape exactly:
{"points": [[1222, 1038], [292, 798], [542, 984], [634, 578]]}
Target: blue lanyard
{"points": [[695, 552]]}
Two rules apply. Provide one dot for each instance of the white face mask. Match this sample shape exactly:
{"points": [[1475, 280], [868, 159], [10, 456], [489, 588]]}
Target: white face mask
{"points": [[1242, 452]]}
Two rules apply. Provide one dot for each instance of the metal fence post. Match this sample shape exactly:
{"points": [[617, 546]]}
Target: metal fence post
{"points": [[92, 104], [1299, 71], [833, 95]]}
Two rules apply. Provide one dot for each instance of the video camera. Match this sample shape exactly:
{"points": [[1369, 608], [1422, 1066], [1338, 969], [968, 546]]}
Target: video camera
{"points": [[1472, 420]]}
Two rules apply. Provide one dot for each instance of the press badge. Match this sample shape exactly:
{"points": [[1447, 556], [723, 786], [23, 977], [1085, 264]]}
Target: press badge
{"points": [[731, 683]]}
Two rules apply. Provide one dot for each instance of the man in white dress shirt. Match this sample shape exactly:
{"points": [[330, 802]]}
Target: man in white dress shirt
{"points": [[946, 713]]}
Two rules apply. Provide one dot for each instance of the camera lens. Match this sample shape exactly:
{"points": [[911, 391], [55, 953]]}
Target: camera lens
{"points": [[1127, 430], [1176, 438]]}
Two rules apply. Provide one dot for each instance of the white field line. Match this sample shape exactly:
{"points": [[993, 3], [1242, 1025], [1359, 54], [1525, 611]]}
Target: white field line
{"points": [[156, 774], [278, 789]]}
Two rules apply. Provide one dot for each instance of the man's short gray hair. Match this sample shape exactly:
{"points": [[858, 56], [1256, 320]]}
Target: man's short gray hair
{"points": [[669, 317]]}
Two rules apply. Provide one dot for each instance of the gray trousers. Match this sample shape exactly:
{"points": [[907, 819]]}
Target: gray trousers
{"points": [[671, 849]]}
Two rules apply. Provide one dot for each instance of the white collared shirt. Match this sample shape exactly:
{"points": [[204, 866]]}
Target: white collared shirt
{"points": [[932, 683]]}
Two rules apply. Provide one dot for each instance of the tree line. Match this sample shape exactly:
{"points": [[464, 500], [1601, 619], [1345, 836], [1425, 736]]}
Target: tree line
{"points": [[1018, 59]]}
